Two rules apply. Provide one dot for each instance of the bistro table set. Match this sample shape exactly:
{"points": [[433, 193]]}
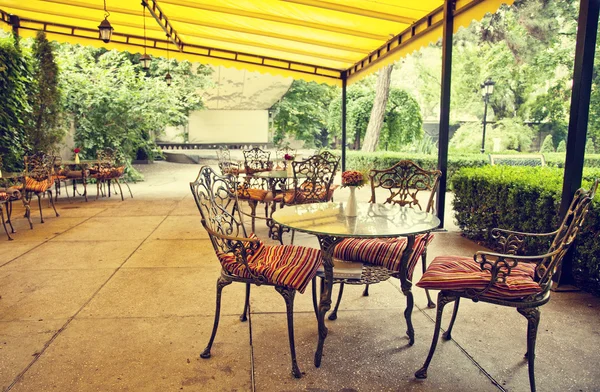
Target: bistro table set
{"points": [[384, 239], [43, 171]]}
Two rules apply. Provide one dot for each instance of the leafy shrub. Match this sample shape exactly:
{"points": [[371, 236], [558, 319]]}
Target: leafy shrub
{"points": [[513, 135], [525, 199], [547, 145], [562, 146], [589, 147]]}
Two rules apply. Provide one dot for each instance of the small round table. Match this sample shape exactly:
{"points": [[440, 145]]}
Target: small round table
{"points": [[328, 222]]}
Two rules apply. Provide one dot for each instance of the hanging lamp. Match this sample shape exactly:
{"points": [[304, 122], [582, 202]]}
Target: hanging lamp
{"points": [[168, 77], [105, 28], [145, 59]]}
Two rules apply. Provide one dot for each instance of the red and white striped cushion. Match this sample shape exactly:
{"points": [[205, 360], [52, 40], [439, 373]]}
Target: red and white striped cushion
{"points": [[282, 265], [385, 252], [33, 185], [460, 273]]}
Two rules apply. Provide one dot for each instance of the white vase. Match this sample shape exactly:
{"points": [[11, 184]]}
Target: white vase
{"points": [[351, 209], [289, 168]]}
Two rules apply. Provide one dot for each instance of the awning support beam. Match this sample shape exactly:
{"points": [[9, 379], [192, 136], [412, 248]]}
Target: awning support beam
{"points": [[344, 88], [579, 114], [444, 131], [163, 22]]}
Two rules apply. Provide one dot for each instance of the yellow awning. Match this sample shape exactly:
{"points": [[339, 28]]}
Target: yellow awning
{"points": [[314, 40]]}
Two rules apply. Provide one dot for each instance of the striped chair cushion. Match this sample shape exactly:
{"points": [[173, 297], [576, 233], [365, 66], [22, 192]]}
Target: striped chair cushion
{"points": [[385, 252], [33, 185], [3, 196], [282, 265], [460, 273], [254, 194]]}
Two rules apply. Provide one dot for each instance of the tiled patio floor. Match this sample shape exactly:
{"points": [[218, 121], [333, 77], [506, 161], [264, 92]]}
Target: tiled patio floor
{"points": [[119, 296]]}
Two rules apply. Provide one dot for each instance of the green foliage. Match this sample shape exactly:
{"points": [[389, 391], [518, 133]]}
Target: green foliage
{"points": [[44, 130], [302, 113], [589, 146], [562, 146], [513, 135], [114, 103], [15, 83], [547, 145], [525, 199]]}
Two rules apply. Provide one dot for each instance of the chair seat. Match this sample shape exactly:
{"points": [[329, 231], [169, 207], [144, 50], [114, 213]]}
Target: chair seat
{"points": [[292, 197], [33, 185], [385, 252], [459, 273], [255, 194], [107, 173], [282, 265]]}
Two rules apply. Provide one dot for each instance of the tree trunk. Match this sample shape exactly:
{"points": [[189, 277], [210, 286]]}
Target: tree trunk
{"points": [[382, 91]]}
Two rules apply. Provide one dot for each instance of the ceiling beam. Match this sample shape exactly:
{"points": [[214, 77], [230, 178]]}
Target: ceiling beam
{"points": [[163, 21], [353, 10]]}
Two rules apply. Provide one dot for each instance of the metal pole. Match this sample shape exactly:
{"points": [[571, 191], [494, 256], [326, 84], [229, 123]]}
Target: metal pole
{"points": [[580, 104], [445, 108], [343, 122], [485, 99]]}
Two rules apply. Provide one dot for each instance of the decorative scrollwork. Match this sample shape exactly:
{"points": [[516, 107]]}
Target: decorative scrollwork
{"points": [[39, 166], [257, 160], [404, 181], [317, 174], [511, 242]]}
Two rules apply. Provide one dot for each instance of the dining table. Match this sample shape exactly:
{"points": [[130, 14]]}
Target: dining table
{"points": [[8, 180], [83, 165], [329, 223]]}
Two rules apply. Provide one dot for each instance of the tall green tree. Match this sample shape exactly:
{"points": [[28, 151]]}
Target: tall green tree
{"points": [[44, 130]]}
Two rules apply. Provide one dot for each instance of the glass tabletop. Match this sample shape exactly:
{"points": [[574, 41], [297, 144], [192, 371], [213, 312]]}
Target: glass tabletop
{"points": [[372, 220], [9, 175], [81, 162], [277, 174]]}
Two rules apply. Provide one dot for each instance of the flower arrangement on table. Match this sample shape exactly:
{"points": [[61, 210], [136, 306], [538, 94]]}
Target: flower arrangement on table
{"points": [[353, 178], [288, 157], [76, 150]]}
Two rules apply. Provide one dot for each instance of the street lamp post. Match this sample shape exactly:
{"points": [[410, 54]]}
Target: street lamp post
{"points": [[487, 88]]}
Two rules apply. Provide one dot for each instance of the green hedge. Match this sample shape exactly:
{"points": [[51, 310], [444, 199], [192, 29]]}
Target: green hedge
{"points": [[525, 199]]}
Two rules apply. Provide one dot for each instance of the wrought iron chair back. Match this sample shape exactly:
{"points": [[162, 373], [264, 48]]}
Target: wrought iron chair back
{"points": [[404, 181], [256, 160], [39, 166], [221, 217], [313, 178]]}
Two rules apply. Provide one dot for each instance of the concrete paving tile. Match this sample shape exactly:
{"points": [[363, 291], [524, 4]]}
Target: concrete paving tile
{"points": [[140, 208], [174, 253], [52, 227], [35, 295], [10, 250], [144, 355], [75, 255], [369, 354], [180, 228], [186, 207], [19, 343], [113, 228], [78, 209], [152, 292]]}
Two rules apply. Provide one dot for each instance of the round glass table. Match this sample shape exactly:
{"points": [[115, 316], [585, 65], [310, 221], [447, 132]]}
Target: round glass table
{"points": [[328, 222]]}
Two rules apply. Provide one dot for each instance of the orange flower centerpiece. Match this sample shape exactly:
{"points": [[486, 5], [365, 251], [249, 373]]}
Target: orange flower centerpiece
{"points": [[76, 150], [352, 179]]}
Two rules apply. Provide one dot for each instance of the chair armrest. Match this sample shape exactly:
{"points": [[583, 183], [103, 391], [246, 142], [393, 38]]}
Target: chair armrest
{"points": [[229, 237], [513, 241]]}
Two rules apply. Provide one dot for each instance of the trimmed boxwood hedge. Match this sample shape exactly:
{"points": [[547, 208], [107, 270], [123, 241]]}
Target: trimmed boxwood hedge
{"points": [[525, 199]]}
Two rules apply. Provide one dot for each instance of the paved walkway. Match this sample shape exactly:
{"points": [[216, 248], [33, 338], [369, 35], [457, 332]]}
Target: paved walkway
{"points": [[119, 296]]}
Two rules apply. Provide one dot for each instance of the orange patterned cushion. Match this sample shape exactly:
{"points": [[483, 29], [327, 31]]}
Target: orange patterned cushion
{"points": [[385, 252], [254, 194], [282, 265], [32, 185], [460, 273]]}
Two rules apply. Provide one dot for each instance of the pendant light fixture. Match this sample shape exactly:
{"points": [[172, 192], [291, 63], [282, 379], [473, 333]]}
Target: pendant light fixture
{"points": [[145, 59], [105, 28], [168, 77]]}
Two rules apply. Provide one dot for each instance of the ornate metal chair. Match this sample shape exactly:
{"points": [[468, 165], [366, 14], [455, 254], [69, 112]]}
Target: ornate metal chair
{"points": [[226, 165], [257, 160], [245, 258], [256, 190], [109, 169], [38, 174], [404, 181], [62, 174], [505, 279], [8, 194]]}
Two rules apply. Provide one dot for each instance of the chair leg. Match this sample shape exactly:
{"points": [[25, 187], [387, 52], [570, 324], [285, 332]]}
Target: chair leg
{"points": [[52, 202], [293, 235], [448, 334], [314, 296], [430, 303], [97, 188], [3, 222], [40, 205], [442, 301], [533, 319], [333, 315], [120, 190], [244, 316], [221, 282], [288, 296], [252, 204], [366, 291], [9, 206], [27, 212], [127, 185]]}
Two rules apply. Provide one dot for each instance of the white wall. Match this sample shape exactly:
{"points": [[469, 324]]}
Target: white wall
{"points": [[229, 126]]}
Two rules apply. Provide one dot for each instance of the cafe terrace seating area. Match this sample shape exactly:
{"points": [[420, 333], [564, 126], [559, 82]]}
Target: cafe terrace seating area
{"points": [[120, 295]]}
